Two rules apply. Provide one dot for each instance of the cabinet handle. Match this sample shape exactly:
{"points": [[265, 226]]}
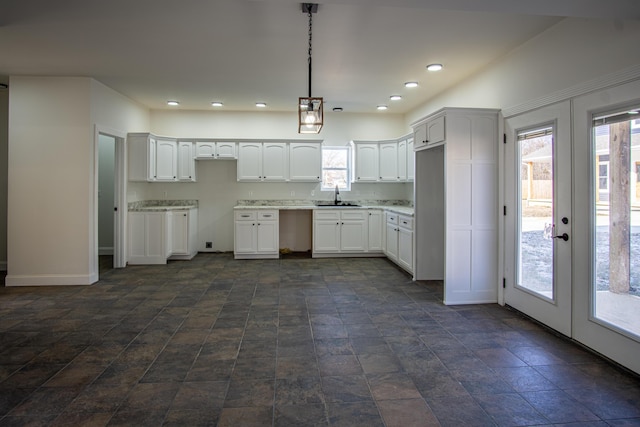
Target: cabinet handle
{"points": [[337, 223], [245, 216], [258, 223], [267, 216]]}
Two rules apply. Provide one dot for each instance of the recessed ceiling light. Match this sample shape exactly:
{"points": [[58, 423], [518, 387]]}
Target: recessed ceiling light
{"points": [[173, 103], [395, 97], [216, 104], [261, 104], [337, 109], [411, 84], [382, 107], [434, 67]]}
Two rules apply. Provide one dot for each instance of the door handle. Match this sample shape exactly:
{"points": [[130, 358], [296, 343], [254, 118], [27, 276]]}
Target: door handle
{"points": [[563, 236]]}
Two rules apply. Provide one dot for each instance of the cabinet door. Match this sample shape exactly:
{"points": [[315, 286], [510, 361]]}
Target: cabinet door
{"points": [[137, 243], [392, 242], [274, 161], [405, 248], [388, 168], [205, 150], [155, 234], [326, 236], [268, 237], [366, 162], [180, 233], [250, 161], [226, 150], [411, 160], [186, 161], [420, 136], [246, 237], [402, 160], [353, 236], [435, 130], [166, 160], [374, 239], [305, 161]]}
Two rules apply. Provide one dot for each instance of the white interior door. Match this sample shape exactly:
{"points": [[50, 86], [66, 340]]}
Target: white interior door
{"points": [[538, 221]]}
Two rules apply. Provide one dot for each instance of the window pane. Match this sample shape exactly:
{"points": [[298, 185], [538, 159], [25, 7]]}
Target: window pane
{"points": [[331, 178], [332, 158], [616, 285]]}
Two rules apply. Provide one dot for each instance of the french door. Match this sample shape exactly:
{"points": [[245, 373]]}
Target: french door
{"points": [[538, 220], [606, 307]]}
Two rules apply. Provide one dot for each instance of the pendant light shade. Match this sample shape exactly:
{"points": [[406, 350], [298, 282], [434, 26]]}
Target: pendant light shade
{"points": [[310, 115], [310, 109]]}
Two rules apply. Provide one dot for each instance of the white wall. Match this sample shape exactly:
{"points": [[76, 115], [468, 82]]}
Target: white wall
{"points": [[50, 162], [217, 188], [569, 53], [51, 195]]}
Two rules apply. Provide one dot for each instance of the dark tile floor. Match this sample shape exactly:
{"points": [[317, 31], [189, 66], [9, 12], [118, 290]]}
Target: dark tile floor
{"points": [[290, 342]]}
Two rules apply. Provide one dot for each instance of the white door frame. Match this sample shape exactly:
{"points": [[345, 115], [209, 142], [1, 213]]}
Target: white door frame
{"points": [[555, 313], [120, 197], [587, 329]]}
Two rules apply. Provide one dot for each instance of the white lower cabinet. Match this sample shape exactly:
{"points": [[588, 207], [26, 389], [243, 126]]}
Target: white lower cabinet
{"points": [[256, 234], [340, 231], [157, 236], [399, 240], [148, 238], [375, 238], [184, 234]]}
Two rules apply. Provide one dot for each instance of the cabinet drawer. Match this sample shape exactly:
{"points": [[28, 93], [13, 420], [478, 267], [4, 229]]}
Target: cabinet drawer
{"points": [[326, 214], [353, 215], [245, 215], [405, 222], [392, 218], [267, 215]]}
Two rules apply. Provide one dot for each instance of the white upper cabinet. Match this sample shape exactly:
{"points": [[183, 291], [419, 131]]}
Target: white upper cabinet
{"points": [[411, 160], [186, 162], [259, 161], [402, 160], [429, 133], [159, 159], [366, 162], [388, 169], [216, 150], [305, 161], [274, 161], [250, 161], [166, 160]]}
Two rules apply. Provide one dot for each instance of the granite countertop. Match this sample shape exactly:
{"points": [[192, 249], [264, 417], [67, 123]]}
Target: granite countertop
{"points": [[162, 205], [397, 206]]}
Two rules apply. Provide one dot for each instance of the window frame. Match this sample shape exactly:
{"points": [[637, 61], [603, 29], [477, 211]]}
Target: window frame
{"points": [[348, 167]]}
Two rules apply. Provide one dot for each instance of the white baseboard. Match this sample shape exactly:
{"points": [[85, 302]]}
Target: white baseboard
{"points": [[51, 280]]}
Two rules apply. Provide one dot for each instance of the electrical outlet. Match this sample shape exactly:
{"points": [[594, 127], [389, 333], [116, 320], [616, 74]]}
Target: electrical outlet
{"points": [[250, 193], [313, 193], [164, 195], [208, 245], [293, 193]]}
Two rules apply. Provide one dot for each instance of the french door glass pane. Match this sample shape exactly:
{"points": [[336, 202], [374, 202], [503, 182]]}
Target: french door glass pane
{"points": [[535, 272], [616, 205]]}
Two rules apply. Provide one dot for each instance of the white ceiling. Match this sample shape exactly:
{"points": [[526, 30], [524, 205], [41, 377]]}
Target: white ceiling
{"points": [[243, 51]]}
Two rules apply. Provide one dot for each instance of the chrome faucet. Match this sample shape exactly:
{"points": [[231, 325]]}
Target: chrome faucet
{"points": [[337, 196]]}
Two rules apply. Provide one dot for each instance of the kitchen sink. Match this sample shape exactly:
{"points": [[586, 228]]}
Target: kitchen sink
{"points": [[338, 205]]}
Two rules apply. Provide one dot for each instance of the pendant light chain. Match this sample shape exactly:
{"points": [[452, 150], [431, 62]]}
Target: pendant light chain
{"points": [[310, 39]]}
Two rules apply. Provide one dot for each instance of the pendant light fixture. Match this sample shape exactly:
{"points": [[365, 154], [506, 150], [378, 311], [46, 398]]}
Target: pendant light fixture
{"points": [[310, 109]]}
